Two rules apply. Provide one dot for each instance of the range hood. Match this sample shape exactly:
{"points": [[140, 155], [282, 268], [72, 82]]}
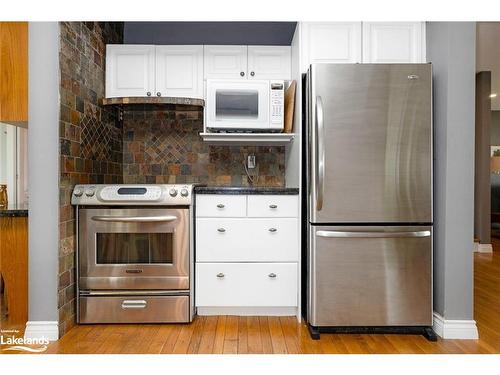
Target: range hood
{"points": [[130, 100]]}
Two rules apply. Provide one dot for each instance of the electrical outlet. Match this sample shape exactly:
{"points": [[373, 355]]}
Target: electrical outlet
{"points": [[251, 161]]}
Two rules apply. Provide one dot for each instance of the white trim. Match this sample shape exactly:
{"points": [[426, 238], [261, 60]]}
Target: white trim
{"points": [[42, 330], [248, 310], [483, 248], [455, 329]]}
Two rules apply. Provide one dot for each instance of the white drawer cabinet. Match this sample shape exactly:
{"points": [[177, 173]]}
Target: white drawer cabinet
{"points": [[273, 206], [246, 284], [247, 253], [247, 240], [225, 62], [269, 62], [218, 205]]}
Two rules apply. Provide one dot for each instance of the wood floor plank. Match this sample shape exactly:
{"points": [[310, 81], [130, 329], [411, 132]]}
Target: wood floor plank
{"points": [[291, 334], [265, 335], [208, 335], [220, 333], [194, 343], [231, 336], [253, 334], [242, 335], [277, 337]]}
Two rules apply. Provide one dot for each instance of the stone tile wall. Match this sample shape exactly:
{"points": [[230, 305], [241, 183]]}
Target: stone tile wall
{"points": [[90, 137], [163, 146]]}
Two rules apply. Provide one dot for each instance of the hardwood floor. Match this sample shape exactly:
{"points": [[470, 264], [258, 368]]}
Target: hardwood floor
{"points": [[231, 334]]}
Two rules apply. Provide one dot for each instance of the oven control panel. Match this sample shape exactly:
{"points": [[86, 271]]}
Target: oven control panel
{"points": [[132, 194]]}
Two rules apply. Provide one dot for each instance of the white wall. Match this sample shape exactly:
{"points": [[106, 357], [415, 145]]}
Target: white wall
{"points": [[43, 170]]}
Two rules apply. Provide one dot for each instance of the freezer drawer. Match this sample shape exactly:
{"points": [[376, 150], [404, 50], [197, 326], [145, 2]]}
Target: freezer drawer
{"points": [[134, 309], [370, 276]]}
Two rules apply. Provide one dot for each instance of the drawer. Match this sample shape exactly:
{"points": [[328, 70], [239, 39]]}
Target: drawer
{"points": [[273, 205], [219, 205], [246, 284], [239, 240], [134, 309]]}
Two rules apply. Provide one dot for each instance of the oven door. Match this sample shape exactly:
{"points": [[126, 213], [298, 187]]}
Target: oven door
{"points": [[238, 105], [133, 248]]}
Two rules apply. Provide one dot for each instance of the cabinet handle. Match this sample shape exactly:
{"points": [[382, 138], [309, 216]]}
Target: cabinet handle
{"points": [[220, 275], [273, 206], [242, 74], [158, 93], [272, 275], [222, 230], [273, 230], [252, 73], [220, 205], [148, 93]]}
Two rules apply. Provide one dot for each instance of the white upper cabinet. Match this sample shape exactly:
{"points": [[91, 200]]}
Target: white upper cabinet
{"points": [[225, 62], [269, 62], [393, 42], [247, 62], [129, 70], [331, 42], [362, 42], [179, 71]]}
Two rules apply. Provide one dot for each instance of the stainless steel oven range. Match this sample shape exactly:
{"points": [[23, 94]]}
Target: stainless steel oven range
{"points": [[134, 253]]}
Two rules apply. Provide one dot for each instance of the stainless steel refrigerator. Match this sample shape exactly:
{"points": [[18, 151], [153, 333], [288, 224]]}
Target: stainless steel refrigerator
{"points": [[369, 203]]}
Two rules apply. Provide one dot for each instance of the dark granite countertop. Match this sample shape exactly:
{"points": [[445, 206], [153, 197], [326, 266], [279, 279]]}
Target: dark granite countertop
{"points": [[246, 190], [13, 210]]}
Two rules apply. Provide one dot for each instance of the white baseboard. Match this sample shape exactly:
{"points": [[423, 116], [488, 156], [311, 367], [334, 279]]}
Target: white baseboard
{"points": [[455, 329], [42, 330], [247, 311], [483, 248]]}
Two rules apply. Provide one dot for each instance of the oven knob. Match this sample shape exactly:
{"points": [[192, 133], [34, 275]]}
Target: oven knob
{"points": [[173, 192], [184, 192], [78, 192], [90, 192]]}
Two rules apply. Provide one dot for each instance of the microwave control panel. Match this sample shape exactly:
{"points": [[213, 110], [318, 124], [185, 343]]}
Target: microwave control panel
{"points": [[277, 103]]}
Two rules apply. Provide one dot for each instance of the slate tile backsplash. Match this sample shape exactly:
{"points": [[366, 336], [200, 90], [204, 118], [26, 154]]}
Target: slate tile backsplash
{"points": [[90, 138], [163, 146]]}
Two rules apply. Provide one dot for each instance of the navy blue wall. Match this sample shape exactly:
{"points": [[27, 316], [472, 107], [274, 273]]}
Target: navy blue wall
{"points": [[235, 33]]}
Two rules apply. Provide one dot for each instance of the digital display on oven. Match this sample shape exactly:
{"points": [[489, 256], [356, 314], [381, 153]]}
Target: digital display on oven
{"points": [[132, 191]]}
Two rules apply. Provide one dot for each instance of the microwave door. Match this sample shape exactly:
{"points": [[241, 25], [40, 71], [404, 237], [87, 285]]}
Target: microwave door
{"points": [[238, 106]]}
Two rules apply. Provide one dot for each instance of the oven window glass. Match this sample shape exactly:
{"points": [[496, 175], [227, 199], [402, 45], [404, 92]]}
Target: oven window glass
{"points": [[134, 248], [237, 104]]}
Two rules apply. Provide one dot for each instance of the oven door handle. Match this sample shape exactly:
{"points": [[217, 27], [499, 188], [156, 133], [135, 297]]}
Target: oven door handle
{"points": [[135, 219]]}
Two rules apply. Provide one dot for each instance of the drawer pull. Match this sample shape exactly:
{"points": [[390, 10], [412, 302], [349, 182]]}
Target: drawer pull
{"points": [[220, 275], [134, 304], [272, 230], [273, 206], [220, 205], [272, 275], [221, 230]]}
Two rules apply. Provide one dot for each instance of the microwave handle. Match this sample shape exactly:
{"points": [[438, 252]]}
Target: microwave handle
{"points": [[134, 219]]}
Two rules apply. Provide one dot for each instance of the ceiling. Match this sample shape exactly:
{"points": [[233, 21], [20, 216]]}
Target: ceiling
{"points": [[488, 56]]}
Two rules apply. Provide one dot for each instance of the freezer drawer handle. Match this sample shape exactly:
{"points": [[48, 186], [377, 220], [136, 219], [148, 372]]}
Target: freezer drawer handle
{"points": [[134, 219], [134, 304], [340, 234]]}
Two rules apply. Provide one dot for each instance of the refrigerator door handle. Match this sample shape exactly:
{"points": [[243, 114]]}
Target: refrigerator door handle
{"points": [[343, 234], [320, 142]]}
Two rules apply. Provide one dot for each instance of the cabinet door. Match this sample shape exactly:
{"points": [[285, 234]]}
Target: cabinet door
{"points": [[269, 62], [225, 62], [331, 42], [393, 42], [179, 71], [129, 70]]}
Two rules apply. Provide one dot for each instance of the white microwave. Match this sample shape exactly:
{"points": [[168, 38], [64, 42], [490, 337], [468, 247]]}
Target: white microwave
{"points": [[245, 105]]}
